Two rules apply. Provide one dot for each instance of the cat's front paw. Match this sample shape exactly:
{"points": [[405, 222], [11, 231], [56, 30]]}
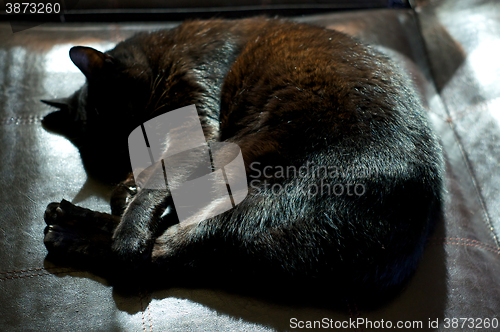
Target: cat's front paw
{"points": [[146, 217], [77, 235], [132, 246]]}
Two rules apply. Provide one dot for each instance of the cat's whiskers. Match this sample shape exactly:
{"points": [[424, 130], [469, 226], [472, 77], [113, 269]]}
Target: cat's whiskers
{"points": [[154, 86], [161, 97], [156, 109]]}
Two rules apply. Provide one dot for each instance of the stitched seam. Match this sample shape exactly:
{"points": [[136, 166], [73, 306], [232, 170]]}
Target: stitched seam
{"points": [[23, 271], [150, 321], [141, 296], [144, 295], [495, 251], [17, 120], [474, 181], [34, 269], [464, 239], [451, 124], [474, 245], [36, 274]]}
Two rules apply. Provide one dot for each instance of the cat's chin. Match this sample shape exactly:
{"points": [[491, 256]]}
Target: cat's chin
{"points": [[106, 164]]}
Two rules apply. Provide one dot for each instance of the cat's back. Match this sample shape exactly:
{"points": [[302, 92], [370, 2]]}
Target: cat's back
{"points": [[319, 79]]}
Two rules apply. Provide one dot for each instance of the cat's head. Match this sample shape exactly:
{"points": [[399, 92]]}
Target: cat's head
{"points": [[116, 89], [99, 116]]}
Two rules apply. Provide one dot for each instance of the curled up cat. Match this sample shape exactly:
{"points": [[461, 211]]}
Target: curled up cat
{"points": [[344, 174]]}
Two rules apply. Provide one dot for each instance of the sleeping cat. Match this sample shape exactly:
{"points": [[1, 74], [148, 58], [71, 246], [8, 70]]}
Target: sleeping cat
{"points": [[293, 97]]}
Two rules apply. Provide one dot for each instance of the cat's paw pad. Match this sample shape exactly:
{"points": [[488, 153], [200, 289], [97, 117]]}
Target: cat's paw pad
{"points": [[66, 213], [64, 241]]}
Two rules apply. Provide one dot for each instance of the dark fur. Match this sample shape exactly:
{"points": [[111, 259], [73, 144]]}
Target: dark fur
{"points": [[288, 94]]}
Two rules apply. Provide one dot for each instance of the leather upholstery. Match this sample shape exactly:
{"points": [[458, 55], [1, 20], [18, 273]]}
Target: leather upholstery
{"points": [[450, 48]]}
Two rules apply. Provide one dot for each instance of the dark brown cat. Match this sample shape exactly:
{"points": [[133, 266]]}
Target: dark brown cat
{"points": [[292, 97]]}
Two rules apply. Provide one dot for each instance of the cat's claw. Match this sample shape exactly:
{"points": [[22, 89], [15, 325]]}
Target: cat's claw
{"points": [[53, 213]]}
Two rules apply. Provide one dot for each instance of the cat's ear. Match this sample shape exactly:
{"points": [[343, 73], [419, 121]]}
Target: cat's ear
{"points": [[61, 103], [90, 61]]}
